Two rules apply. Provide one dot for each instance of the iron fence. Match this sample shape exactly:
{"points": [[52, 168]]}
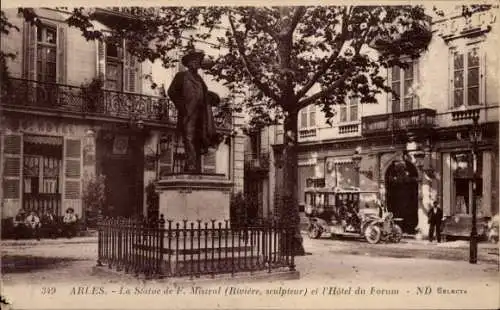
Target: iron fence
{"points": [[159, 248]]}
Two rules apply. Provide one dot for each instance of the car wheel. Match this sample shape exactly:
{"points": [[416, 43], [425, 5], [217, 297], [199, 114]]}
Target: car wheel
{"points": [[397, 233], [373, 234], [314, 231]]}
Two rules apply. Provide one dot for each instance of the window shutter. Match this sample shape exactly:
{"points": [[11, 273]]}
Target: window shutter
{"points": [[72, 174], [12, 168], [29, 57], [482, 76], [208, 162], [101, 60], [61, 55], [451, 75], [416, 81], [131, 72], [165, 161]]}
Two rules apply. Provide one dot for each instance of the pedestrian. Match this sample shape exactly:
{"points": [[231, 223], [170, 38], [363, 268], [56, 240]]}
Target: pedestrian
{"points": [[70, 222], [33, 223], [435, 217]]}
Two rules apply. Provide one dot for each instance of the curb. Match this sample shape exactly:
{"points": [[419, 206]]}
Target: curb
{"points": [[240, 277], [77, 240]]}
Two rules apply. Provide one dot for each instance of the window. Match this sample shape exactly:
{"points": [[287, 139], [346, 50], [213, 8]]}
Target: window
{"points": [[46, 54], [403, 81], [466, 73], [462, 167], [308, 117], [114, 67], [119, 69], [349, 112]]}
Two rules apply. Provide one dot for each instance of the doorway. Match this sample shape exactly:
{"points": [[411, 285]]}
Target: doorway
{"points": [[121, 161], [401, 181]]}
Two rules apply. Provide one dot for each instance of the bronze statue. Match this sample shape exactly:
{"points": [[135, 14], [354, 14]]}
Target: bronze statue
{"points": [[194, 103]]}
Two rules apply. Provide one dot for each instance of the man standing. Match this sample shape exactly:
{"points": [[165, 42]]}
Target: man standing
{"points": [[193, 102], [435, 216]]}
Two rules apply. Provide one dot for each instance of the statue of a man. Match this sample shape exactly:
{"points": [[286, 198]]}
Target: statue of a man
{"points": [[194, 103]]}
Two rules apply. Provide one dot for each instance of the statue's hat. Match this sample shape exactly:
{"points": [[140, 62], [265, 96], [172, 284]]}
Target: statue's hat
{"points": [[192, 54]]}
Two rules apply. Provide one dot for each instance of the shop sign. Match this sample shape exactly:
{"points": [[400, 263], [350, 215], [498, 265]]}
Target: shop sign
{"points": [[39, 126]]}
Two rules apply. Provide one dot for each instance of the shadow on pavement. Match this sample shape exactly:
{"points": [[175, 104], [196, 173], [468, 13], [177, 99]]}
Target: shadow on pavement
{"points": [[27, 263]]}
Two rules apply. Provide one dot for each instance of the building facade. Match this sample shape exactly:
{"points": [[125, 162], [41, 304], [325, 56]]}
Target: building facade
{"points": [[73, 110], [416, 147]]}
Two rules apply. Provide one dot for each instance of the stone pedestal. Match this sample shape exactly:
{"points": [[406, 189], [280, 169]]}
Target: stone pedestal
{"points": [[193, 197]]}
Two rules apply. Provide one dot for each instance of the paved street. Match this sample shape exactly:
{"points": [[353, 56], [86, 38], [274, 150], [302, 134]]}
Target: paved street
{"points": [[383, 268], [63, 260]]}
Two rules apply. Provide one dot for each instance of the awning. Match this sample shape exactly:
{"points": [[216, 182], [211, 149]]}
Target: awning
{"points": [[43, 140]]}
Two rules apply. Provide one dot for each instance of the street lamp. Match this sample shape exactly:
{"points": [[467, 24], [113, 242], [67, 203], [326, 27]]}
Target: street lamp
{"points": [[356, 160], [475, 136]]}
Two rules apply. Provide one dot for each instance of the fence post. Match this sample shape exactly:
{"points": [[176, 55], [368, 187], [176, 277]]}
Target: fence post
{"points": [[99, 242], [198, 269], [291, 232], [161, 234]]}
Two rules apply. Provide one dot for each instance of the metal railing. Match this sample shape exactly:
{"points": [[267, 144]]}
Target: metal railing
{"points": [[54, 97], [159, 248]]}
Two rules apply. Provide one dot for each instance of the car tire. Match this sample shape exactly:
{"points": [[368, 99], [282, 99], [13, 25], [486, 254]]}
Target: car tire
{"points": [[314, 231], [397, 233], [373, 234]]}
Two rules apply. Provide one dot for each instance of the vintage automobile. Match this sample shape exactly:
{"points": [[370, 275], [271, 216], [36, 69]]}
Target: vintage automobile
{"points": [[337, 212], [459, 226]]}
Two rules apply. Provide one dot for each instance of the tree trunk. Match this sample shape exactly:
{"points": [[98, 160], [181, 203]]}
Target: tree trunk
{"points": [[289, 209]]}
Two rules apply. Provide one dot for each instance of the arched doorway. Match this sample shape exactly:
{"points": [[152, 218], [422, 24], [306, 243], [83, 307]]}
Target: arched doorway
{"points": [[401, 181]]}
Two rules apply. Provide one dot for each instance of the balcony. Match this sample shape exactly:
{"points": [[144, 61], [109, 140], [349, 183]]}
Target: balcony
{"points": [[383, 124], [307, 133], [32, 96], [348, 129], [257, 162]]}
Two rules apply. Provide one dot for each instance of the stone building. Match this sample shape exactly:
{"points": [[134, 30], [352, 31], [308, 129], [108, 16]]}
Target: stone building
{"points": [[415, 149], [60, 128]]}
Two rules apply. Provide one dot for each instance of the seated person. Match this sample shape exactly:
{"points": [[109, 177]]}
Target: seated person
{"points": [[20, 229], [69, 222], [33, 224], [49, 224]]}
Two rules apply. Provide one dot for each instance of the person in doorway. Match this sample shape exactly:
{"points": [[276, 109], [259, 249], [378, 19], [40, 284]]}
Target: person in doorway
{"points": [[69, 222], [435, 217], [33, 223]]}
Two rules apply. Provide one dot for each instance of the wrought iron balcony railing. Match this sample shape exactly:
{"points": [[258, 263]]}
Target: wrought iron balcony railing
{"points": [[402, 121], [51, 97], [255, 161]]}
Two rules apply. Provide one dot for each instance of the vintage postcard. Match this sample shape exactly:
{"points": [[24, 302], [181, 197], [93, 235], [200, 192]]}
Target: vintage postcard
{"points": [[262, 154]]}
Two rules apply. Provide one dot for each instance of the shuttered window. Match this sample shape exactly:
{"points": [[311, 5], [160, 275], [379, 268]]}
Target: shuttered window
{"points": [[44, 52], [119, 69], [72, 170], [12, 154]]}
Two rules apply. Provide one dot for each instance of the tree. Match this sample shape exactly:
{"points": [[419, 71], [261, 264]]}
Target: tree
{"points": [[273, 58]]}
